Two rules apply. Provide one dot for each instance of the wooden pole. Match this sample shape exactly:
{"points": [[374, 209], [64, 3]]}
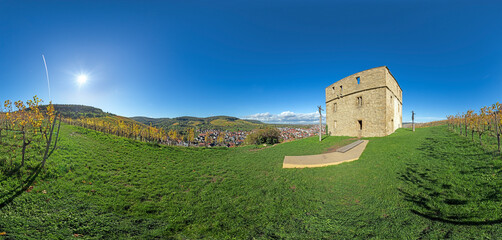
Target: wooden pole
{"points": [[497, 130], [320, 123]]}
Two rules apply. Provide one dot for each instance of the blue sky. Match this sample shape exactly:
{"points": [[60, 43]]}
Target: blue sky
{"points": [[249, 58]]}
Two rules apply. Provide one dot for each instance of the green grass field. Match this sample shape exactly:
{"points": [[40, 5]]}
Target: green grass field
{"points": [[428, 184]]}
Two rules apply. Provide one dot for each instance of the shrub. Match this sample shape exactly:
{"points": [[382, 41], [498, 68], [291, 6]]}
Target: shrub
{"points": [[266, 135]]}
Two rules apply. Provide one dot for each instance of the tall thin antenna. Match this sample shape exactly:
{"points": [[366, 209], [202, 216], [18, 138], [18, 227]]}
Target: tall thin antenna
{"points": [[320, 122], [47, 74]]}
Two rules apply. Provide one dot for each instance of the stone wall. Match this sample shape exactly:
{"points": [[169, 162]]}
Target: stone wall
{"points": [[371, 98]]}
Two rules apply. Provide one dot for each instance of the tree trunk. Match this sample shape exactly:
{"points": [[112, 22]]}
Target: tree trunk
{"points": [[48, 143], [466, 127], [498, 140], [24, 148], [57, 136], [480, 142], [57, 133]]}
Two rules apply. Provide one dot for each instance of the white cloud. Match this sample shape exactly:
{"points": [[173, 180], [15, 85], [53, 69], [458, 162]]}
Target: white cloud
{"points": [[287, 117]]}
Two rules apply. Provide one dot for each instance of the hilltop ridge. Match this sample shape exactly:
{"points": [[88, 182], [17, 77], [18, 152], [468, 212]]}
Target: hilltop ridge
{"points": [[221, 122], [75, 111], [213, 122]]}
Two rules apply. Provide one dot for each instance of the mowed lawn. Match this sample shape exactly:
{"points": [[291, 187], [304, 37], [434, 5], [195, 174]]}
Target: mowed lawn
{"points": [[426, 184]]}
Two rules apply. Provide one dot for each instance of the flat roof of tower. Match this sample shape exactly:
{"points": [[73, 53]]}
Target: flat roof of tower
{"points": [[371, 69]]}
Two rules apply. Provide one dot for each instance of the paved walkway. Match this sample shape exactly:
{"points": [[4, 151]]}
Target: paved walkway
{"points": [[326, 159]]}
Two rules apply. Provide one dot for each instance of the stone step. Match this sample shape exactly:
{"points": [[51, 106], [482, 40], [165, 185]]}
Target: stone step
{"points": [[349, 146]]}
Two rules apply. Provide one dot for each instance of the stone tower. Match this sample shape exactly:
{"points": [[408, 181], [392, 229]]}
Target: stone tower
{"points": [[365, 104]]}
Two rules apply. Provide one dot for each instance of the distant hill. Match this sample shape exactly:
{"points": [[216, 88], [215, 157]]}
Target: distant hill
{"points": [[179, 123], [77, 111], [216, 122]]}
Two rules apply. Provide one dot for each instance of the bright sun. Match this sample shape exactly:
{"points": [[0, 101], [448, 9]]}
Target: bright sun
{"points": [[82, 79]]}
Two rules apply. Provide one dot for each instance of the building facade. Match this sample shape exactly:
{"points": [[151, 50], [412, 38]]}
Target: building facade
{"points": [[365, 104]]}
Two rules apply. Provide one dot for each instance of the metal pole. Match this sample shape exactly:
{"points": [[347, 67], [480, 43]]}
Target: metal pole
{"points": [[413, 120], [320, 123]]}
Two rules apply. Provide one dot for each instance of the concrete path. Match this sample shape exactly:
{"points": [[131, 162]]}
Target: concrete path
{"points": [[326, 159]]}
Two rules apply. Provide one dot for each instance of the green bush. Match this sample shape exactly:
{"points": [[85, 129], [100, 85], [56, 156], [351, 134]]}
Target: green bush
{"points": [[266, 135]]}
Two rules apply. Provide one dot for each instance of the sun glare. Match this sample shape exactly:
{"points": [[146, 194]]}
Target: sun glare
{"points": [[82, 79]]}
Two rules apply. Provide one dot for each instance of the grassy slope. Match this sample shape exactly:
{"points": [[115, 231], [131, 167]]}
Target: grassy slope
{"points": [[427, 184]]}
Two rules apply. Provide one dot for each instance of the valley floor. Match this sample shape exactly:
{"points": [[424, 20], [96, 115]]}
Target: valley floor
{"points": [[425, 184]]}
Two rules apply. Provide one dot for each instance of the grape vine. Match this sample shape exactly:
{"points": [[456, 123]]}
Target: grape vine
{"points": [[488, 123]]}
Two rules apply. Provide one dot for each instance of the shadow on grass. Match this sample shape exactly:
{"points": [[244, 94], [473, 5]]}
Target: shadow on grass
{"points": [[18, 190], [471, 223], [11, 173], [453, 182]]}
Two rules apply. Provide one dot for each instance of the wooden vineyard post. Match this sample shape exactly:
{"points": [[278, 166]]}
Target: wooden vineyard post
{"points": [[497, 130]]}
